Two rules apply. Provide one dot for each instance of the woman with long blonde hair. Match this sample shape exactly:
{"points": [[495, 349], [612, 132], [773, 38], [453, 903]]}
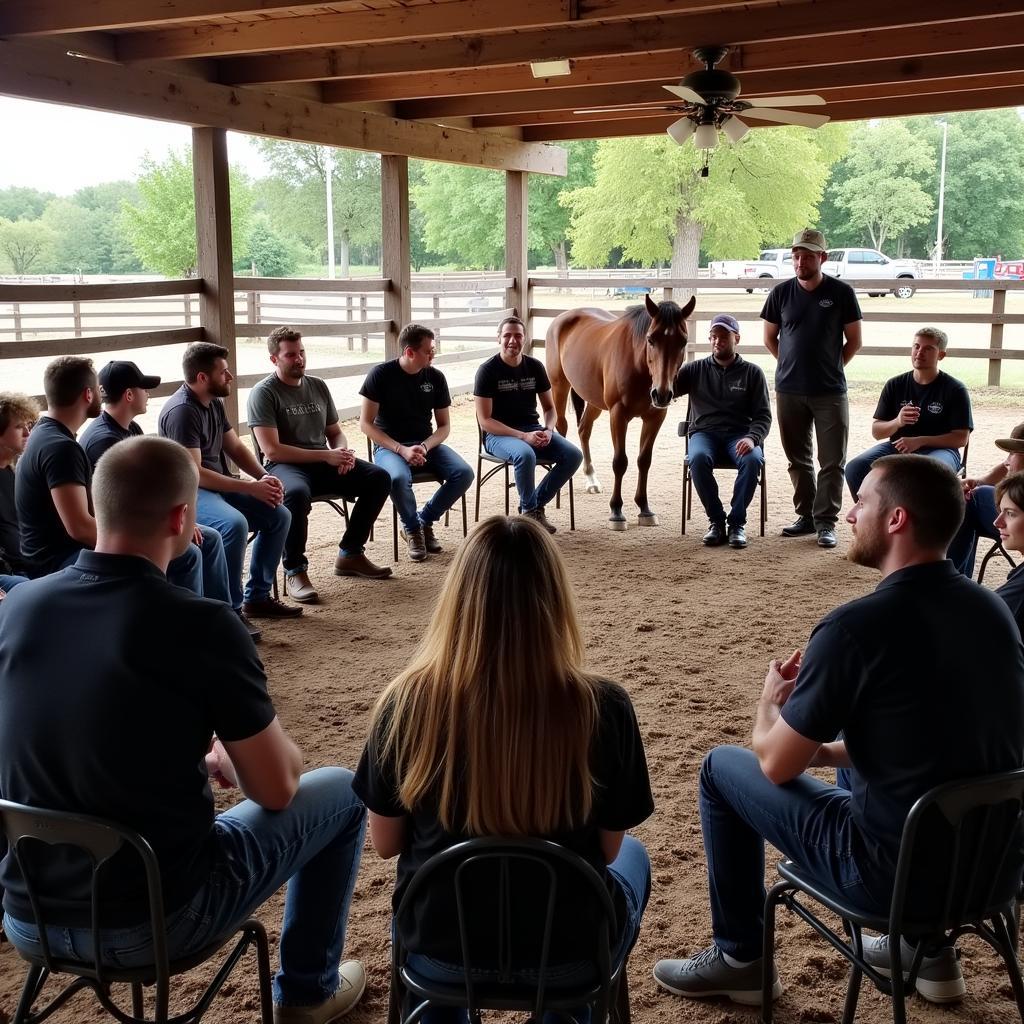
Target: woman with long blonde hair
{"points": [[495, 729]]}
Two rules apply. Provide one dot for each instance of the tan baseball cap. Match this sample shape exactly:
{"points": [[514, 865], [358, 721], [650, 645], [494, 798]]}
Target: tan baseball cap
{"points": [[1015, 442], [810, 239]]}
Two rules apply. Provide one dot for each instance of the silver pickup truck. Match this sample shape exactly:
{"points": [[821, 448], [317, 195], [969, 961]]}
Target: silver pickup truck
{"points": [[772, 263], [855, 265]]}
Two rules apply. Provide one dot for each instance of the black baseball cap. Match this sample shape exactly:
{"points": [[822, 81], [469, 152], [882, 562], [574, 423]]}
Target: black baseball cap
{"points": [[118, 376]]}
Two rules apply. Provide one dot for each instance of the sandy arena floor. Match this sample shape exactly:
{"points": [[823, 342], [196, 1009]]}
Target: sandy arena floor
{"points": [[687, 630]]}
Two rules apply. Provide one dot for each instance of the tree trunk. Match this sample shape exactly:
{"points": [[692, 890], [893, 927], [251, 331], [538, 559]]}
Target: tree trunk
{"points": [[686, 246], [561, 258], [344, 261]]}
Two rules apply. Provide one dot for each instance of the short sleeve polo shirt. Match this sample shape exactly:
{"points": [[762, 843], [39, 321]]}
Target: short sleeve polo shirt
{"points": [[186, 420]]}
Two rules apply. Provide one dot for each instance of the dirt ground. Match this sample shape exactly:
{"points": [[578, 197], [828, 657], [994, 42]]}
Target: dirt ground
{"points": [[687, 630]]}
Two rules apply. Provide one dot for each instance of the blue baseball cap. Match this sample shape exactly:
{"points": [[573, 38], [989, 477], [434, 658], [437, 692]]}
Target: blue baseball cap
{"points": [[726, 321]]}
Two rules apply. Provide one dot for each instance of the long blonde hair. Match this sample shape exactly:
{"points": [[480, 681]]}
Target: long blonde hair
{"points": [[494, 715]]}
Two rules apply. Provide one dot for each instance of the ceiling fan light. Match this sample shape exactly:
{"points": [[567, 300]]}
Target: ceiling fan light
{"points": [[706, 136], [735, 129], [550, 68], [679, 131]]}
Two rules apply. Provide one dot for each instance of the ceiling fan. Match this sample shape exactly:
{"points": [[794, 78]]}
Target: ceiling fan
{"points": [[710, 103]]}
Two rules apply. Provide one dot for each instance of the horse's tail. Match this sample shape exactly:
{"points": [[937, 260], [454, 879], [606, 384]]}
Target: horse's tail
{"points": [[578, 405]]}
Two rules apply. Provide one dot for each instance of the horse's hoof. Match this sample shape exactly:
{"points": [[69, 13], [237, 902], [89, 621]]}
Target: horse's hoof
{"points": [[593, 488], [617, 524], [650, 519]]}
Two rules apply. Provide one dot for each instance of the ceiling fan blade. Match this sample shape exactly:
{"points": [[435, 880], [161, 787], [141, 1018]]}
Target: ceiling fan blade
{"points": [[734, 129], [787, 101], [686, 93], [626, 106], [679, 131], [787, 117]]}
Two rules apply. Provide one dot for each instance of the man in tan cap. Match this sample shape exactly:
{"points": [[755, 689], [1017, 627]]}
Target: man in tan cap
{"points": [[981, 510], [812, 327]]}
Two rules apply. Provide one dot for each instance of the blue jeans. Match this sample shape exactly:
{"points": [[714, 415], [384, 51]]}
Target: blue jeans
{"points": [[451, 468], [858, 468], [631, 870], [565, 459], [979, 516], [314, 845], [705, 449], [233, 516], [807, 820], [203, 570]]}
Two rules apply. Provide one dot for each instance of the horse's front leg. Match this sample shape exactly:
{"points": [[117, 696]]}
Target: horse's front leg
{"points": [[617, 521], [652, 422], [586, 425]]}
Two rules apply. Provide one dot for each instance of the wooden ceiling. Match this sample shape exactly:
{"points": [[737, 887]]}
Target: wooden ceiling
{"points": [[465, 64]]}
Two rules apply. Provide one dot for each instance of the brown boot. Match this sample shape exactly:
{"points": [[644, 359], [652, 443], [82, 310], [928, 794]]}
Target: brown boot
{"points": [[537, 515], [360, 565], [417, 544], [432, 544]]}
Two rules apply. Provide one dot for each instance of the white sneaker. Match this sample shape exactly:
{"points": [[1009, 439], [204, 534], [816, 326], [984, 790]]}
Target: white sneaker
{"points": [[351, 986], [939, 979]]}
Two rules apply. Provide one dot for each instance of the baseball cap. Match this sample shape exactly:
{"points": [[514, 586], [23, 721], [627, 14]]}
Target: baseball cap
{"points": [[810, 239], [116, 377], [726, 321], [1015, 442]]}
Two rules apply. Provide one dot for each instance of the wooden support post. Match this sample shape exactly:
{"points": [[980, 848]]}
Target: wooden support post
{"points": [[437, 327], [394, 188], [213, 237], [349, 316], [516, 204], [365, 338], [996, 337]]}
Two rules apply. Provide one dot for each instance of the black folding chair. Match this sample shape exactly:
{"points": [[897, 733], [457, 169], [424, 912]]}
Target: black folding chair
{"points": [[996, 549], [513, 978], [958, 872], [98, 841], [498, 464]]}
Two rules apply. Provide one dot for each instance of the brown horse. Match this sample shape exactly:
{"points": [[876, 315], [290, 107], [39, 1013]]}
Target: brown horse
{"points": [[625, 364]]}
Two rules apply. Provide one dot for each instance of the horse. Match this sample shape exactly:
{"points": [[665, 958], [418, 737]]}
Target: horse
{"points": [[623, 363]]}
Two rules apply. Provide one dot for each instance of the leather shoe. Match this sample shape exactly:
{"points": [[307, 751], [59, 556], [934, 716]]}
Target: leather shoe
{"points": [[737, 537], [800, 527], [827, 538], [360, 565], [715, 535], [270, 608], [432, 544], [298, 588], [255, 633]]}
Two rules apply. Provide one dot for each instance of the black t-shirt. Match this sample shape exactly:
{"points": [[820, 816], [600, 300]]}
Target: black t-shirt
{"points": [[186, 420], [622, 800], [10, 535], [1012, 592], [944, 403], [513, 390], [103, 433], [916, 707], [406, 400], [811, 334], [115, 721], [51, 459]]}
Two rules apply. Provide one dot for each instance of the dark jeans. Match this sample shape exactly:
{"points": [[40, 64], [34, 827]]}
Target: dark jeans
{"points": [[859, 466], [979, 515], [706, 448], [365, 484], [807, 820]]}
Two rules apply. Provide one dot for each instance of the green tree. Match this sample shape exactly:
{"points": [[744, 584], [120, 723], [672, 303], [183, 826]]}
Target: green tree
{"points": [[79, 242], [28, 245], [106, 200], [268, 253], [161, 225], [649, 197], [549, 216], [18, 203]]}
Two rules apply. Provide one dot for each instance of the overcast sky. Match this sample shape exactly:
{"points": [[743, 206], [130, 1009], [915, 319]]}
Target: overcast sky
{"points": [[61, 149]]}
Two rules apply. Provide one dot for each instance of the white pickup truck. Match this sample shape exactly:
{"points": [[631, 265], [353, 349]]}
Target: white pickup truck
{"points": [[855, 265], [772, 263]]}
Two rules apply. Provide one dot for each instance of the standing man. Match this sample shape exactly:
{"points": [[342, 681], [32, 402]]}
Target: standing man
{"points": [[812, 327], [194, 417], [296, 426], [730, 416], [400, 398], [507, 389], [881, 672], [924, 411]]}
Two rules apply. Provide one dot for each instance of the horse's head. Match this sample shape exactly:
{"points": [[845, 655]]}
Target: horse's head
{"points": [[665, 346]]}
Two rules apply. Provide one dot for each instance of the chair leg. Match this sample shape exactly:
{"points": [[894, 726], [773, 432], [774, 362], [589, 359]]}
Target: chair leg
{"points": [[465, 525], [34, 981], [394, 529], [138, 1001], [1007, 951], [853, 983], [572, 507], [683, 502], [620, 1011], [764, 498], [771, 901], [899, 994], [506, 488], [479, 466], [259, 935]]}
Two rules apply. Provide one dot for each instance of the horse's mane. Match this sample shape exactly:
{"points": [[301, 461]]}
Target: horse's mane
{"points": [[639, 319]]}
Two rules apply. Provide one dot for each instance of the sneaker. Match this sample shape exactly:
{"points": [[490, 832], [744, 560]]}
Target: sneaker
{"points": [[715, 535], [707, 974], [255, 633], [417, 543], [827, 538], [433, 545], [298, 588], [270, 608], [537, 515], [939, 979], [800, 526], [360, 565], [737, 536], [351, 985]]}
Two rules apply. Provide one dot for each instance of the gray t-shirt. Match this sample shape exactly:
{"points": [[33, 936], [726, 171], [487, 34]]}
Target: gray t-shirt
{"points": [[301, 414]]}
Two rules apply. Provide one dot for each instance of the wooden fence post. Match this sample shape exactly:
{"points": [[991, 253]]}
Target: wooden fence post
{"points": [[437, 329], [349, 316], [364, 341], [996, 337], [18, 335], [76, 312]]}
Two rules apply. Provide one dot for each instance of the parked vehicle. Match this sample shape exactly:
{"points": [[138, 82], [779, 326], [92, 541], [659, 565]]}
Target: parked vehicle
{"points": [[772, 263], [854, 265]]}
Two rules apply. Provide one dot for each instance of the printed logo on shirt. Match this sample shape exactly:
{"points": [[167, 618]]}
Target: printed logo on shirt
{"points": [[427, 387], [526, 384], [825, 303], [304, 409], [934, 408], [737, 386]]}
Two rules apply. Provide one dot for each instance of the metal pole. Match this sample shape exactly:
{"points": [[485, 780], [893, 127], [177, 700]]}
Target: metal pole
{"points": [[942, 197], [329, 173]]}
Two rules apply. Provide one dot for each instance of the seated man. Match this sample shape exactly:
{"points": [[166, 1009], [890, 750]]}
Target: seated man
{"points": [[924, 411], [175, 679], [882, 672], [125, 391], [981, 511], [507, 389], [399, 398], [194, 417], [730, 416], [17, 415], [296, 426]]}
